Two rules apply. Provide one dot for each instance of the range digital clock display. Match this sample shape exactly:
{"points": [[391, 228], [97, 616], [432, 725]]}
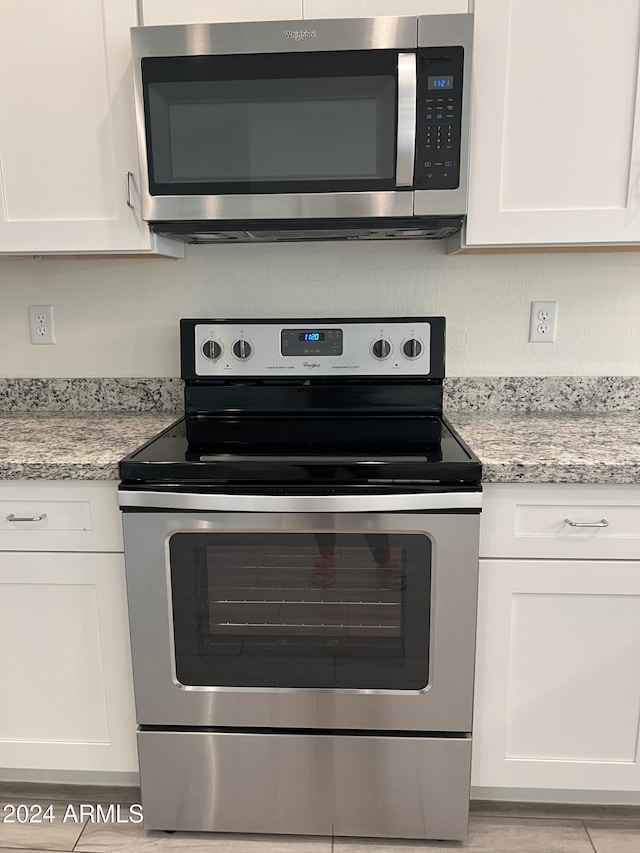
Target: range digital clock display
{"points": [[299, 342]]}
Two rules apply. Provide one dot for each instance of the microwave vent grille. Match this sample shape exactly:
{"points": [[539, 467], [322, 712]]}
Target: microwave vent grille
{"points": [[317, 230]]}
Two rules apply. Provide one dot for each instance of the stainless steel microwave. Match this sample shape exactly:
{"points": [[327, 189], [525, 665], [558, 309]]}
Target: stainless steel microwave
{"points": [[286, 130]]}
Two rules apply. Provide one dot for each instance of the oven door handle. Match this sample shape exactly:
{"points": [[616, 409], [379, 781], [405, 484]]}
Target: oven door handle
{"points": [[406, 147], [194, 501]]}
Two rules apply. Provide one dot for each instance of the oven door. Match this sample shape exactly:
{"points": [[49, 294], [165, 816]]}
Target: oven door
{"points": [[267, 121], [349, 620]]}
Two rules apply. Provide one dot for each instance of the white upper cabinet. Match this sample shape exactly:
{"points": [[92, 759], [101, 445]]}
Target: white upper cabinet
{"points": [[67, 131], [159, 12], [373, 8], [555, 132]]}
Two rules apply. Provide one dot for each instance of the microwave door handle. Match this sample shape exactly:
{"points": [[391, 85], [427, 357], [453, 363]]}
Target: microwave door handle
{"points": [[407, 88]]}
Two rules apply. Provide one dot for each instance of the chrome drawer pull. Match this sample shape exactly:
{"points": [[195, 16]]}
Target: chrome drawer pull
{"points": [[602, 523], [127, 189], [13, 517]]}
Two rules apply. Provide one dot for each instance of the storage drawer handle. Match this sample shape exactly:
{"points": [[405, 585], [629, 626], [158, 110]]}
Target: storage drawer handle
{"points": [[602, 523], [127, 188], [13, 517]]}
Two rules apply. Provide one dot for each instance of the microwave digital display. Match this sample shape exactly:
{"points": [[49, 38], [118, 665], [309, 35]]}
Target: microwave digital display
{"points": [[440, 82]]}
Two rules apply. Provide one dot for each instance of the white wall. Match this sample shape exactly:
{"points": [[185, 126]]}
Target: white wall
{"points": [[120, 317]]}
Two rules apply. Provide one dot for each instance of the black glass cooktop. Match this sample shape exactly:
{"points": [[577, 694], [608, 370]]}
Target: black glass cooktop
{"points": [[361, 450]]}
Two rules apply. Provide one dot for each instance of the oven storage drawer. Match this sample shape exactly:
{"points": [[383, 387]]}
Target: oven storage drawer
{"points": [[533, 521], [400, 787]]}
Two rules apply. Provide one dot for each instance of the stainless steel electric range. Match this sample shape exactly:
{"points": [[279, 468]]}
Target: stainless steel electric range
{"points": [[302, 557]]}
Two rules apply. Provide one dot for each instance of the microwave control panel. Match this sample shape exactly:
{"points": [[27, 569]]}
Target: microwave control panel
{"points": [[439, 118]]}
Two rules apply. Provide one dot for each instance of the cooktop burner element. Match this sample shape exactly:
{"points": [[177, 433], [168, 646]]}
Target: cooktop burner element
{"points": [[335, 402]]}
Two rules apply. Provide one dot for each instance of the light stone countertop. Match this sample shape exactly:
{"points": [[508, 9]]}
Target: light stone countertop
{"points": [[549, 447], [513, 448], [73, 445]]}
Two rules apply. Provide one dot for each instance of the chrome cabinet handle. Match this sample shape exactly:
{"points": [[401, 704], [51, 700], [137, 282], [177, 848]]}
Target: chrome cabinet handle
{"points": [[128, 189], [406, 150], [13, 517], [602, 523]]}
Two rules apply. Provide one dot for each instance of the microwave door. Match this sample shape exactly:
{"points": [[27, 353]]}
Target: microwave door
{"points": [[280, 136]]}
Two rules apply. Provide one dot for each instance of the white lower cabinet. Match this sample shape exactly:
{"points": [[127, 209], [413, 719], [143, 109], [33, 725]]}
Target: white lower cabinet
{"points": [[557, 699], [67, 692]]}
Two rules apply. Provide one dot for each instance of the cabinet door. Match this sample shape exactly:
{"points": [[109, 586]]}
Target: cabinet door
{"points": [[557, 699], [372, 8], [67, 132], [67, 697], [555, 133], [155, 12]]}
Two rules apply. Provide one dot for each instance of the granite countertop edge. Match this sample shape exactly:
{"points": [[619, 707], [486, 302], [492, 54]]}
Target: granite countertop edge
{"points": [[593, 474], [59, 471]]}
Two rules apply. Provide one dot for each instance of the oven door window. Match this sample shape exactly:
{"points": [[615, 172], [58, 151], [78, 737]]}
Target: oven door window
{"points": [[343, 610], [272, 123]]}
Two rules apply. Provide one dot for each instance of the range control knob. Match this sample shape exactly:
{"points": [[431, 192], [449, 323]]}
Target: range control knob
{"points": [[242, 349], [212, 350], [412, 348], [381, 348]]}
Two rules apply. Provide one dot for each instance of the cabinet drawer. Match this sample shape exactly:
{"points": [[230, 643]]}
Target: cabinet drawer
{"points": [[59, 516], [533, 521]]}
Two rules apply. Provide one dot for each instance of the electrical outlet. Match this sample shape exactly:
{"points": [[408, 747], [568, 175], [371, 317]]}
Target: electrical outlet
{"points": [[543, 322], [41, 324]]}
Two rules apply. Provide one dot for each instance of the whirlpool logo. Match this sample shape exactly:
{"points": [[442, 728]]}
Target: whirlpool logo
{"points": [[299, 35], [311, 364]]}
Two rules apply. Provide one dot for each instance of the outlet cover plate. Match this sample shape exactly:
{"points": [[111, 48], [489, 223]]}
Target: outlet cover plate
{"points": [[543, 322], [41, 324]]}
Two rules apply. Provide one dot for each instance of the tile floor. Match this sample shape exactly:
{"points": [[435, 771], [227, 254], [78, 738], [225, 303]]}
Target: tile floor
{"points": [[494, 828]]}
